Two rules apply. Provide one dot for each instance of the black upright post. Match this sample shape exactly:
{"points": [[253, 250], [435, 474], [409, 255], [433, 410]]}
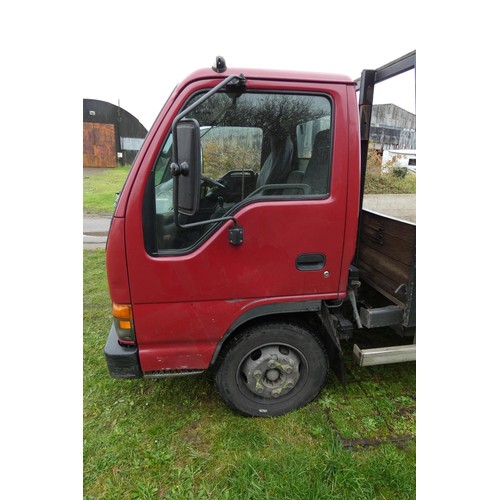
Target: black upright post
{"points": [[366, 87]]}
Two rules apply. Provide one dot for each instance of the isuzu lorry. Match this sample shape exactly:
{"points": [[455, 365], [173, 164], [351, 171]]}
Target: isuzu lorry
{"points": [[239, 244]]}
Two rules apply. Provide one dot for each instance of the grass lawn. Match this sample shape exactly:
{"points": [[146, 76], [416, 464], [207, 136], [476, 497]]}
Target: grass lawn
{"points": [[175, 439], [99, 190], [385, 183]]}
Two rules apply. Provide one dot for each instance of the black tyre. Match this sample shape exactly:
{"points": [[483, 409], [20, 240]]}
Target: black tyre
{"points": [[271, 369]]}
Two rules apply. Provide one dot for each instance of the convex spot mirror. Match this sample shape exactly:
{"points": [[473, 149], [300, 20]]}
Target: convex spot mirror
{"points": [[187, 166]]}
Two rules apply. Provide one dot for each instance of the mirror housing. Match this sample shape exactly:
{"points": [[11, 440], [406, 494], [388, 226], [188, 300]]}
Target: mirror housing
{"points": [[186, 168]]}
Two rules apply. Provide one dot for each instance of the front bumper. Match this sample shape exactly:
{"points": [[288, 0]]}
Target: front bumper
{"points": [[122, 361]]}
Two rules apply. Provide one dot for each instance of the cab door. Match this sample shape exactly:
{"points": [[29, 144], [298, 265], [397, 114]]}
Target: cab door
{"points": [[274, 160]]}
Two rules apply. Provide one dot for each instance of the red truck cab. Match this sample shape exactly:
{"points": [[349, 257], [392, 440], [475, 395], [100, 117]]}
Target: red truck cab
{"points": [[234, 233]]}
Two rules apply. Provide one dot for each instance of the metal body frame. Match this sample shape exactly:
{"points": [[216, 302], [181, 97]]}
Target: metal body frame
{"points": [[366, 86]]}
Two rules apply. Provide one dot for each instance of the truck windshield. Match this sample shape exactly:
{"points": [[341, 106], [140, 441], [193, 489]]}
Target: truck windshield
{"points": [[258, 145]]}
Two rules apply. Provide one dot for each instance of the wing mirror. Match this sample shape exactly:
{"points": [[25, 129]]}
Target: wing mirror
{"points": [[186, 168]]}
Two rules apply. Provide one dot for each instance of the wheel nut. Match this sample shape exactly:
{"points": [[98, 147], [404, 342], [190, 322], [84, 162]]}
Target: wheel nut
{"points": [[288, 369], [275, 393], [271, 364], [289, 384], [259, 389]]}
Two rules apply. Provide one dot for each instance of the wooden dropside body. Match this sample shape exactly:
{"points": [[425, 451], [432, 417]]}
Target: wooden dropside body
{"points": [[386, 260]]}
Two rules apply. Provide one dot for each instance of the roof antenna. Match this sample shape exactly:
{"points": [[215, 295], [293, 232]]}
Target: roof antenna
{"points": [[220, 65]]}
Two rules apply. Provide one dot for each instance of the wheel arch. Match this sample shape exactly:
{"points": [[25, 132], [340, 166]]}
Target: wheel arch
{"points": [[305, 314]]}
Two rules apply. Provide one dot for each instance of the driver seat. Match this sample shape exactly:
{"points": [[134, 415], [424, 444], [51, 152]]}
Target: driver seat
{"points": [[278, 164]]}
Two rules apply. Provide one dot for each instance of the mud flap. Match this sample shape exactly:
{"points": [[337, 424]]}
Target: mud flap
{"points": [[333, 347]]}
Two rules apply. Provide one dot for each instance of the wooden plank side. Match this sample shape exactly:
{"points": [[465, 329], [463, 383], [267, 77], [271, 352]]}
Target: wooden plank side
{"points": [[386, 256], [386, 244], [396, 270], [392, 237], [398, 228], [383, 284]]}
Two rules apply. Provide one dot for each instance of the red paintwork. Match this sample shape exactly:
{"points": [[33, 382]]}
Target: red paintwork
{"points": [[183, 305], [116, 262]]}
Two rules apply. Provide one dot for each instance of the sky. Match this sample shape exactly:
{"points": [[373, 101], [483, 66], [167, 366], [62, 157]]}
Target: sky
{"points": [[150, 49], [145, 107]]}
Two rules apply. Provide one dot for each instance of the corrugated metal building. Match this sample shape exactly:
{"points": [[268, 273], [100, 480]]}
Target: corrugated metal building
{"points": [[392, 127], [111, 135]]}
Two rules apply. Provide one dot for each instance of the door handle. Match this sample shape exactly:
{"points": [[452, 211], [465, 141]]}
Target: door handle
{"points": [[310, 262]]}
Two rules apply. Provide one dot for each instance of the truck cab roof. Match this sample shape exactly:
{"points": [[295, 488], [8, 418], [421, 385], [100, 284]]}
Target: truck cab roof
{"points": [[269, 74]]}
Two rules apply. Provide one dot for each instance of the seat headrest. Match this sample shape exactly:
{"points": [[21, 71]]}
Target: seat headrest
{"points": [[322, 139]]}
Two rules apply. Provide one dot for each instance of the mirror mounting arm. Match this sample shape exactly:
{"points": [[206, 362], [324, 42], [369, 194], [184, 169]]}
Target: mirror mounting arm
{"points": [[241, 80]]}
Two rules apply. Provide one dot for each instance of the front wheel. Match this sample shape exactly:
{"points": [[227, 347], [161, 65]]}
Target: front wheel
{"points": [[271, 369]]}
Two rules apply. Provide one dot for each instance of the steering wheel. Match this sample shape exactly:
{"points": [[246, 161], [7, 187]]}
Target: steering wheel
{"points": [[212, 183]]}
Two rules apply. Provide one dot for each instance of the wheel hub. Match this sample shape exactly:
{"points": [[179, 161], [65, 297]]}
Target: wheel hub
{"points": [[272, 375], [271, 371]]}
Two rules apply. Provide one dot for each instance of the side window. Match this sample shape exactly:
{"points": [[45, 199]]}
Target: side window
{"points": [[231, 157], [255, 146], [163, 181]]}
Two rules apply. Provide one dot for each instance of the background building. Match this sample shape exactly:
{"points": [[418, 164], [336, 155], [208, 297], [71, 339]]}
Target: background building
{"points": [[392, 127], [111, 135]]}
